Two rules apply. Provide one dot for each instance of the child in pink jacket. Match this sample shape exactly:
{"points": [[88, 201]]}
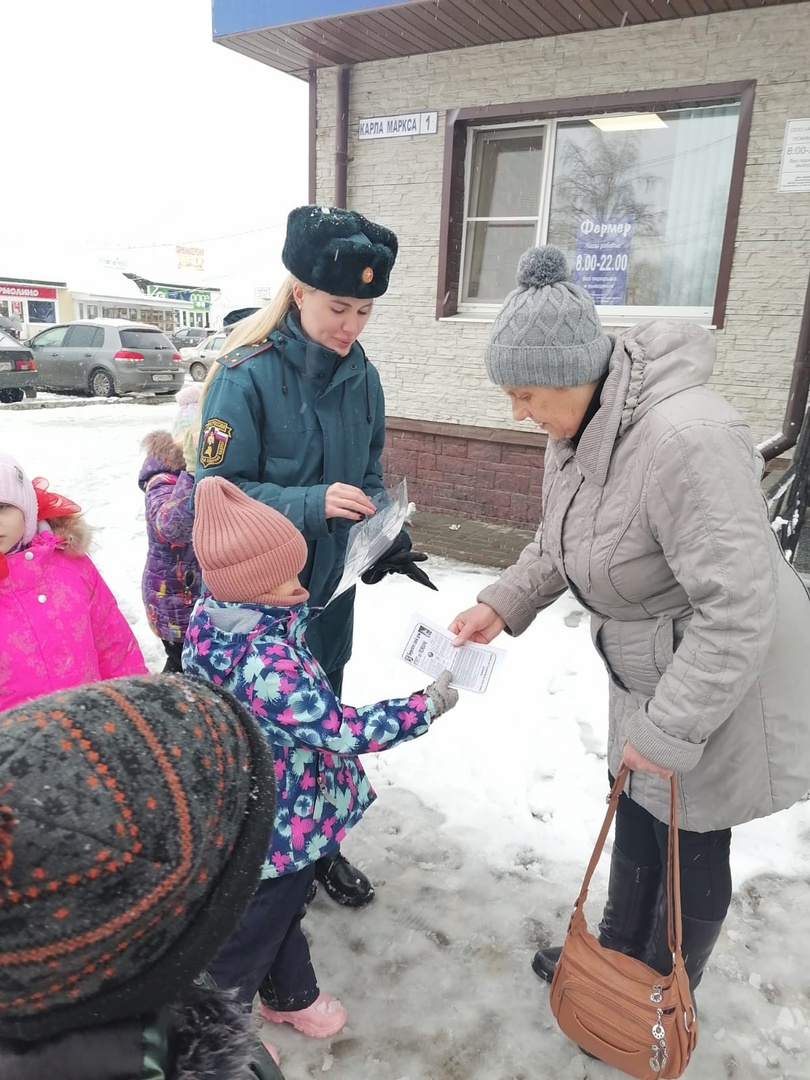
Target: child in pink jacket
{"points": [[60, 626]]}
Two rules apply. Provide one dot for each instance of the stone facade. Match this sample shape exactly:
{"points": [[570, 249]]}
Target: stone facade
{"points": [[431, 369]]}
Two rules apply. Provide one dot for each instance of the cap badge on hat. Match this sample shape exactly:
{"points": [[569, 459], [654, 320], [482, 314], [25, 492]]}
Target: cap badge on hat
{"points": [[367, 276], [214, 442]]}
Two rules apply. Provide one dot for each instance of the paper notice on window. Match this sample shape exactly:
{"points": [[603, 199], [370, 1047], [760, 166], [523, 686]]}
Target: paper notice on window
{"points": [[430, 648]]}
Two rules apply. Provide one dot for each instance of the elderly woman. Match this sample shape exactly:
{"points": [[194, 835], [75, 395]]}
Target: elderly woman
{"points": [[654, 519]]}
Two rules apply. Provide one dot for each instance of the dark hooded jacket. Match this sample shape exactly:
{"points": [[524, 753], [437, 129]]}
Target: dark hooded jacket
{"points": [[208, 1037]]}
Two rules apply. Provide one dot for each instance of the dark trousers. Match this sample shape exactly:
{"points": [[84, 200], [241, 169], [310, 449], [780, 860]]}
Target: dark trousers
{"points": [[336, 681], [704, 858], [269, 947], [174, 655]]}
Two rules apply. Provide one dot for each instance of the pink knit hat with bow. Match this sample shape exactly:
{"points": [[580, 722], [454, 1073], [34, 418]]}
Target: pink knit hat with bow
{"points": [[245, 548], [17, 490]]}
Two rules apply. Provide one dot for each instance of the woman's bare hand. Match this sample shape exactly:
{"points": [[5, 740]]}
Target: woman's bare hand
{"points": [[480, 624], [345, 501], [636, 762]]}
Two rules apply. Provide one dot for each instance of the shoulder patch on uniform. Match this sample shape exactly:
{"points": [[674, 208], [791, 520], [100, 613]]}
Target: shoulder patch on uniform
{"points": [[214, 440], [245, 352]]}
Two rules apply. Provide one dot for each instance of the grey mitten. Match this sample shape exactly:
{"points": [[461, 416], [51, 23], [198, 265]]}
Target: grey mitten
{"points": [[442, 694]]}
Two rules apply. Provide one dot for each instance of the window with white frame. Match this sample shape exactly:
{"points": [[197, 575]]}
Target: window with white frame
{"points": [[637, 202]]}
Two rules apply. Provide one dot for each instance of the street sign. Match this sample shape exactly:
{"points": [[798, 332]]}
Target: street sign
{"points": [[392, 127]]}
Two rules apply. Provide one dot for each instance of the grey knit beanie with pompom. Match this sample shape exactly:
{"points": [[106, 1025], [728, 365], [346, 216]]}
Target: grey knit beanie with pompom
{"points": [[547, 333]]}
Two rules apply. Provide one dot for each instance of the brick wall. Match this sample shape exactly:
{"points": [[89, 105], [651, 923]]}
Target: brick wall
{"points": [[470, 472], [433, 370]]}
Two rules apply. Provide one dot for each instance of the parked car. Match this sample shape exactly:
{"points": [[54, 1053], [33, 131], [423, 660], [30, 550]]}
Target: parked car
{"points": [[10, 326], [18, 370], [106, 358], [198, 361], [189, 336]]}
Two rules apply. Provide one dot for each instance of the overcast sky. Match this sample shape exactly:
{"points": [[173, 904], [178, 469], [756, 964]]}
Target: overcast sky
{"points": [[128, 131]]}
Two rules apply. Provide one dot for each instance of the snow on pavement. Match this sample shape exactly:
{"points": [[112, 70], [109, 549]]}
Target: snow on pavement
{"points": [[479, 838]]}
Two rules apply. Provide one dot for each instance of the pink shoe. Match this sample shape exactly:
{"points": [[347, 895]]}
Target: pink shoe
{"points": [[272, 1051], [324, 1017]]}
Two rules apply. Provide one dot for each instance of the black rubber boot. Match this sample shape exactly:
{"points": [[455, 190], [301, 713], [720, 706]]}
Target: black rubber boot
{"points": [[628, 916], [343, 882], [698, 939]]}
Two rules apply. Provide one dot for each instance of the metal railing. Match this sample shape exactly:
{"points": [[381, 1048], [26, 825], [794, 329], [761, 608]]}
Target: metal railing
{"points": [[787, 497]]}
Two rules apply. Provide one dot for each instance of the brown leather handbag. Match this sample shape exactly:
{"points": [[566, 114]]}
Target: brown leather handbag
{"points": [[614, 1006]]}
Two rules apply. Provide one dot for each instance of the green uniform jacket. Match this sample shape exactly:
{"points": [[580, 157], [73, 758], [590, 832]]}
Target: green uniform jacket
{"points": [[284, 420]]}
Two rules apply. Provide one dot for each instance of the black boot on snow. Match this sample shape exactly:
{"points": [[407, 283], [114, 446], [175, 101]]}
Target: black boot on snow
{"points": [[343, 882], [628, 915]]}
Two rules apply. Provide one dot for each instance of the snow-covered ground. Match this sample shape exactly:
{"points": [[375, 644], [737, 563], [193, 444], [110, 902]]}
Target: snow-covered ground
{"points": [[479, 838]]}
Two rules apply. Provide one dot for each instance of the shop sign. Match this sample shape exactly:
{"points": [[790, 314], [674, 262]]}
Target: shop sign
{"points": [[27, 292], [794, 173], [602, 257], [200, 299], [193, 257], [392, 127]]}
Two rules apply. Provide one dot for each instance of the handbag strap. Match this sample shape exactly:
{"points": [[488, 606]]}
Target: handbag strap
{"points": [[673, 879]]}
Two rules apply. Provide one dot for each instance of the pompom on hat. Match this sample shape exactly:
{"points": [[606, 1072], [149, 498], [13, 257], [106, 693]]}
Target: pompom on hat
{"points": [[135, 817], [547, 333], [246, 549], [339, 251]]}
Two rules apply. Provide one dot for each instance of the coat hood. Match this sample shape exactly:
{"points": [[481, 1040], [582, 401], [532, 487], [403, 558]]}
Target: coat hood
{"points": [[666, 357], [162, 455], [222, 632]]}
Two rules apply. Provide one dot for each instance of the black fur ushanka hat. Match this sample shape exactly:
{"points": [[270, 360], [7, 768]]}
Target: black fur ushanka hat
{"points": [[339, 251]]}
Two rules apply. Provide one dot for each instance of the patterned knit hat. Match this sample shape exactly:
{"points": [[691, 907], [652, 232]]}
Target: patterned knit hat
{"points": [[17, 490], [187, 400], [245, 548], [135, 816], [547, 333]]}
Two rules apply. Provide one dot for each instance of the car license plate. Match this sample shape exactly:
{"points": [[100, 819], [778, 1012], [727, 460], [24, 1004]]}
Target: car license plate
{"points": [[5, 365], [162, 378]]}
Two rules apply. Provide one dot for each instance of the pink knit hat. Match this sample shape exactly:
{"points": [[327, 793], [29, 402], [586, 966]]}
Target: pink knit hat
{"points": [[17, 490], [245, 548]]}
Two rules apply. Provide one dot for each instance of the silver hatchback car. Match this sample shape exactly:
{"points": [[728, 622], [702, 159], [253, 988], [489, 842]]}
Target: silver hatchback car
{"points": [[106, 358], [197, 361]]}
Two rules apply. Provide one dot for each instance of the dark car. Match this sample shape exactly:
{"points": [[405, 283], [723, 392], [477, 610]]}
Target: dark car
{"points": [[189, 337], [18, 370], [106, 357]]}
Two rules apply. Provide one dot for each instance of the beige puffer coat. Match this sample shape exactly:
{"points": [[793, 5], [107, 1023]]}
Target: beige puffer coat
{"points": [[657, 524]]}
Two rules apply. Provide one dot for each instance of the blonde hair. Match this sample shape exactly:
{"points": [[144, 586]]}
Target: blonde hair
{"points": [[254, 329]]}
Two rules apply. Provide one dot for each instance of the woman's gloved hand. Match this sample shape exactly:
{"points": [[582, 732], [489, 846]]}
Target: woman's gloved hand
{"points": [[442, 694], [399, 559]]}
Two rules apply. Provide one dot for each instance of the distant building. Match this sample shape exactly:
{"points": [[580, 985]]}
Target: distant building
{"points": [[33, 303], [667, 153]]}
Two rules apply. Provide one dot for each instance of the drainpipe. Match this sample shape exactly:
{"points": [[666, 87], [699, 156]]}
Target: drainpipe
{"points": [[342, 134], [797, 396], [313, 136]]}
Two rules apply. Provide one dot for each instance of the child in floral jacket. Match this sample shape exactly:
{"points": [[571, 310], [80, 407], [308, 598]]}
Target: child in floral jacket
{"points": [[249, 637], [60, 626]]}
